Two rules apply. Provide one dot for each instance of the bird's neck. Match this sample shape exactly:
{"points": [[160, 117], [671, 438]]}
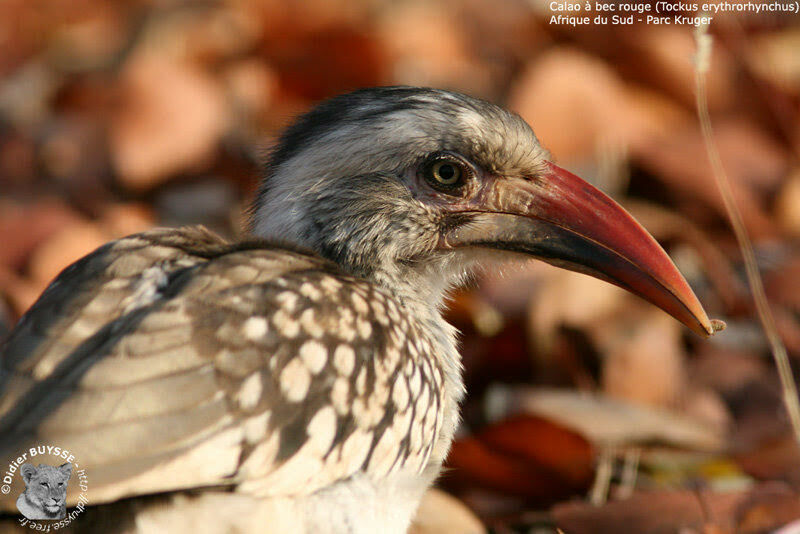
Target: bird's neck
{"points": [[412, 288], [419, 287], [422, 291]]}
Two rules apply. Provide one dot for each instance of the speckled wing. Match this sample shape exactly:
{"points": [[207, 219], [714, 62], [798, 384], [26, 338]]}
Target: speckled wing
{"points": [[173, 360]]}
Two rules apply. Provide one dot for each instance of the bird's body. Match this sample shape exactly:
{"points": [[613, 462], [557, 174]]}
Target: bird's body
{"points": [[297, 377], [307, 381]]}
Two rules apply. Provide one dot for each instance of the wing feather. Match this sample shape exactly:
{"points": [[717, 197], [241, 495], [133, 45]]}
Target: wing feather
{"points": [[172, 360]]}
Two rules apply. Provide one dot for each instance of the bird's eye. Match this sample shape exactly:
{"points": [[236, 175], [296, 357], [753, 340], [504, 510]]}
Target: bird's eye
{"points": [[446, 172]]}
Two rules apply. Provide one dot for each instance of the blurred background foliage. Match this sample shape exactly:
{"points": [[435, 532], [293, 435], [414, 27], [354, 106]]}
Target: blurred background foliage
{"points": [[119, 116]]}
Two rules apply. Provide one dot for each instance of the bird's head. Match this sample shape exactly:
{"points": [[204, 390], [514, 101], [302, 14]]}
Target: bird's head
{"points": [[410, 187]]}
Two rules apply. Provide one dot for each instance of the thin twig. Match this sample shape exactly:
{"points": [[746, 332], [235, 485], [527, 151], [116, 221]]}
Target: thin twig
{"points": [[790, 400], [602, 478], [630, 470]]}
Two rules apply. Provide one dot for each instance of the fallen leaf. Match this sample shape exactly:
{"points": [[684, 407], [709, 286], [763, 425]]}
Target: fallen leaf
{"points": [[578, 104], [661, 57], [544, 443], [252, 85], [569, 299], [773, 56], [71, 242], [754, 163], [564, 88], [440, 513], [774, 459], [23, 227], [787, 204], [707, 406], [90, 40], [726, 369], [20, 292], [17, 160], [170, 120], [643, 356], [120, 220], [419, 60], [341, 59], [525, 456], [605, 421], [651, 513], [768, 506]]}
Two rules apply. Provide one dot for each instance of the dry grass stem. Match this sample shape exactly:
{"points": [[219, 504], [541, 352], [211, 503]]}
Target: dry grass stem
{"points": [[630, 471], [704, 43], [602, 479]]}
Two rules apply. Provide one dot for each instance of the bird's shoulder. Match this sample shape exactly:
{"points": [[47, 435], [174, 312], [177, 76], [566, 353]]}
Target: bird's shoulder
{"points": [[120, 277], [211, 363]]}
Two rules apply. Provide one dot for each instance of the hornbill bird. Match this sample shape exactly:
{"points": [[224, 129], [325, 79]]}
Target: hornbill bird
{"points": [[305, 380]]}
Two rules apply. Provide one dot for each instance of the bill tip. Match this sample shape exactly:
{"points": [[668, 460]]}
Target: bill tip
{"points": [[717, 326]]}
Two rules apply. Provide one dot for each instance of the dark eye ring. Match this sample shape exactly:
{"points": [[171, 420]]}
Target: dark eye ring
{"points": [[446, 172]]}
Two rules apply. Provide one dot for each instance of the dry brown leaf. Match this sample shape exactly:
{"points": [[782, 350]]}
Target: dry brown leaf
{"points": [[419, 60], [220, 31], [71, 242], [773, 459], [662, 57], [644, 357], [753, 161], [24, 227], [770, 505], [313, 62], [525, 456], [89, 40], [653, 113], [578, 104], [605, 421], [17, 160], [652, 513], [171, 118], [570, 299], [773, 56], [120, 220], [252, 86], [707, 406], [310, 15], [726, 369], [440, 513], [756, 511], [544, 443], [20, 292], [573, 100], [787, 204], [19, 22]]}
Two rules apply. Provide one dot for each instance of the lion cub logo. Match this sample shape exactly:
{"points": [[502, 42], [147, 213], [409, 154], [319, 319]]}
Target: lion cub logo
{"points": [[45, 495]]}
